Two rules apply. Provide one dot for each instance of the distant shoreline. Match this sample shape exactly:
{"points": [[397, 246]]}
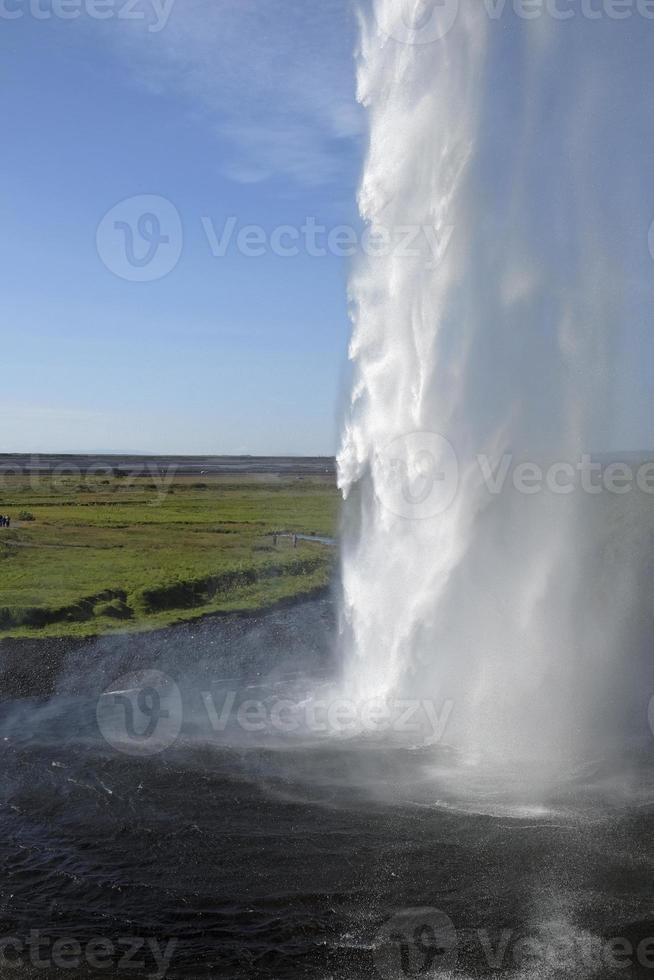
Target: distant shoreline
{"points": [[145, 465]]}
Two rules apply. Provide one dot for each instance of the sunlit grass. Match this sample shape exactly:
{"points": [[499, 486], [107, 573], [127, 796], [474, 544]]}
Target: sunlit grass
{"points": [[133, 554]]}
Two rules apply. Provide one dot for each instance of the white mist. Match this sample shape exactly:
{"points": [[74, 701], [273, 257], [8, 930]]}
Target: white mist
{"points": [[510, 605]]}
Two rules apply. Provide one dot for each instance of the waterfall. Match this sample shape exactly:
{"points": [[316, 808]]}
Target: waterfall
{"points": [[486, 316]]}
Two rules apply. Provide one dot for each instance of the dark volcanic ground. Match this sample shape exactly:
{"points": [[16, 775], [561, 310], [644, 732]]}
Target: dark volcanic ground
{"points": [[260, 853]]}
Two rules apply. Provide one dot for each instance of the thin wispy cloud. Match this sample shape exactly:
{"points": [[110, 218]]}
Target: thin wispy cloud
{"points": [[273, 78]]}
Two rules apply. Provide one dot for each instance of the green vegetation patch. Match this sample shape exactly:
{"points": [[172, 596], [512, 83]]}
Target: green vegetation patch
{"points": [[132, 554]]}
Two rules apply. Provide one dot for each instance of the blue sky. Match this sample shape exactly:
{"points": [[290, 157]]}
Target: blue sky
{"points": [[234, 108], [241, 108]]}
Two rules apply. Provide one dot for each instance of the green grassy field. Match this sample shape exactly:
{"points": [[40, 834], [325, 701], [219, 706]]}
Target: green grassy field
{"points": [[128, 554]]}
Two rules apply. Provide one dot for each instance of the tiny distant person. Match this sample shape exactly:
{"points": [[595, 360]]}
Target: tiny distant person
{"points": [[295, 540]]}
